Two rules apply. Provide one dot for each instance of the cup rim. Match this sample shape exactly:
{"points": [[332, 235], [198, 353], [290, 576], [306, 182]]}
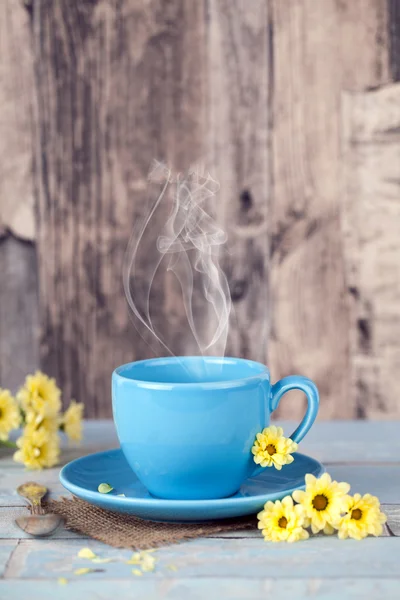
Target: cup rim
{"points": [[161, 385]]}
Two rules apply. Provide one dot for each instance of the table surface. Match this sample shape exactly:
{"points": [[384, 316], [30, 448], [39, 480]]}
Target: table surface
{"points": [[231, 565]]}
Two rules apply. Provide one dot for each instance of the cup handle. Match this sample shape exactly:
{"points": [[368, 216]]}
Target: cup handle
{"points": [[295, 382]]}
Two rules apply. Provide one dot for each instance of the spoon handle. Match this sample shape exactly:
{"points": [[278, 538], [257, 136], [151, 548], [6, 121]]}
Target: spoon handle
{"points": [[36, 506]]}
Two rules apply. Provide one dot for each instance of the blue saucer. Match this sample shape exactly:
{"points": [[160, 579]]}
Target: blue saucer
{"points": [[82, 477]]}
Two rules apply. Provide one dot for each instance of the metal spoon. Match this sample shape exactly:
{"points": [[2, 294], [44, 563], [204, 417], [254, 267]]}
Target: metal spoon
{"points": [[38, 523]]}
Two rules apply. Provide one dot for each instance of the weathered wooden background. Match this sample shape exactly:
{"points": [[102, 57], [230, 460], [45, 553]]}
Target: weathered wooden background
{"points": [[294, 104]]}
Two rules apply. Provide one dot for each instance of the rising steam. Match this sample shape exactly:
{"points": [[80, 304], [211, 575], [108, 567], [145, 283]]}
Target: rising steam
{"points": [[189, 241]]}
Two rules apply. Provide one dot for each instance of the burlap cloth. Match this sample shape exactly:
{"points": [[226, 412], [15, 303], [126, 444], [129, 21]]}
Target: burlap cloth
{"points": [[127, 531]]}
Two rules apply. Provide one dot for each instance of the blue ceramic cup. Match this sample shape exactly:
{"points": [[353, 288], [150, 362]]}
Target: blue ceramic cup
{"points": [[187, 425]]}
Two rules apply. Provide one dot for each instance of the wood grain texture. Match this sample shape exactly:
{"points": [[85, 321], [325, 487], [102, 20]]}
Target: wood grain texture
{"points": [[394, 38], [19, 319], [6, 549], [257, 94], [18, 267], [50, 559], [393, 523], [232, 588], [315, 56], [9, 529], [238, 122], [371, 224], [118, 84], [168, 63], [16, 91]]}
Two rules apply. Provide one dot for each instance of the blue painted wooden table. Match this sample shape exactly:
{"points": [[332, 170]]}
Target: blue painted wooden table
{"points": [[235, 565]]}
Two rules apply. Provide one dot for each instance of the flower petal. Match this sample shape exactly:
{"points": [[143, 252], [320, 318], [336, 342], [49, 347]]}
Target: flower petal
{"points": [[104, 488], [310, 480], [299, 495], [86, 553], [328, 529], [83, 571]]}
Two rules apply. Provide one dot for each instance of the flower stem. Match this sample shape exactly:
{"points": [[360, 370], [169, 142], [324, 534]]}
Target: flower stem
{"points": [[8, 444]]}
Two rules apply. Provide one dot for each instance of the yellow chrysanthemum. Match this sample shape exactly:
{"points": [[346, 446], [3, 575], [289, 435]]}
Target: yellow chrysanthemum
{"points": [[72, 421], [40, 395], [322, 502], [363, 517], [37, 449], [144, 559], [49, 424], [271, 448], [9, 414], [282, 521]]}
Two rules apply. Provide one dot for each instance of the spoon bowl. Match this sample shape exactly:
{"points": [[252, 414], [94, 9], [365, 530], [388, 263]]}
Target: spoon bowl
{"points": [[39, 525]]}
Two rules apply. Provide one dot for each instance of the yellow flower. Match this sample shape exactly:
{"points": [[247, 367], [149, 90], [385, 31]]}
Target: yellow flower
{"points": [[144, 559], [72, 421], [322, 502], [148, 562], [271, 448], [40, 395], [282, 521], [49, 424], [363, 517], [37, 449], [135, 559], [86, 553], [9, 414], [101, 561], [83, 571]]}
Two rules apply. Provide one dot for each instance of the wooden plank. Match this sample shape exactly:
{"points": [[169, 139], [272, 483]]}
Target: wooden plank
{"points": [[48, 559], [328, 441], [19, 321], [393, 523], [363, 479], [313, 60], [118, 85], [394, 32], [238, 114], [10, 479], [235, 588], [371, 222], [10, 531], [19, 344], [392, 527], [7, 547], [382, 481], [94, 147], [16, 92], [348, 441]]}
